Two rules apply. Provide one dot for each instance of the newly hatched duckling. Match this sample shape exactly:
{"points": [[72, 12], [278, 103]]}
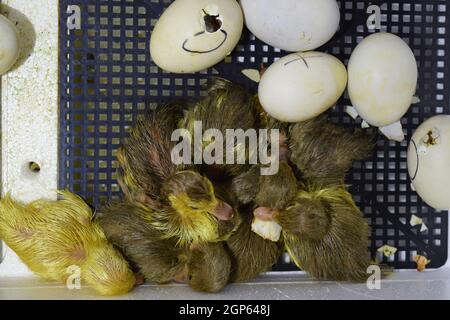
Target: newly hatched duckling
{"points": [[185, 202], [226, 106], [205, 267], [324, 233], [158, 260], [324, 152], [52, 236]]}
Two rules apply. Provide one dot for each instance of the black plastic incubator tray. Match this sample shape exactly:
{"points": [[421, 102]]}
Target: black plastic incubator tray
{"points": [[107, 78]]}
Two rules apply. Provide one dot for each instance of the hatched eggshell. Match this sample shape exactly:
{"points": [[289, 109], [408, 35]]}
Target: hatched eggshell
{"points": [[382, 79], [301, 86], [292, 25], [429, 161], [9, 45], [182, 41], [269, 230]]}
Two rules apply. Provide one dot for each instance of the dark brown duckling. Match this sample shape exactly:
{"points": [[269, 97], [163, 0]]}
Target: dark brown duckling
{"points": [[251, 255], [125, 226], [209, 267], [225, 106], [274, 191], [325, 233], [205, 267], [185, 204], [324, 152]]}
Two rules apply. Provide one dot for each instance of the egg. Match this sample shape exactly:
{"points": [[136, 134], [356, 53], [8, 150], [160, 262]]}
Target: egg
{"points": [[300, 86], [192, 35], [292, 25], [429, 161], [382, 79], [9, 45]]}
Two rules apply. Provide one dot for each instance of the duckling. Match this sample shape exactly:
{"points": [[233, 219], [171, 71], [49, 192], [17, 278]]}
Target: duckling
{"points": [[324, 233], [251, 255], [205, 267], [225, 106], [324, 152], [52, 236], [186, 205], [209, 267], [158, 260]]}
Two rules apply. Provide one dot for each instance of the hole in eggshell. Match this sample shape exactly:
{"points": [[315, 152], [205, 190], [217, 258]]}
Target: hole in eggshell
{"points": [[213, 22]]}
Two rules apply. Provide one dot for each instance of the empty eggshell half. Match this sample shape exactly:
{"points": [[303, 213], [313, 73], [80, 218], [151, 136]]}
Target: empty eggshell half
{"points": [[9, 45], [192, 35], [292, 25], [300, 86], [429, 161], [382, 79]]}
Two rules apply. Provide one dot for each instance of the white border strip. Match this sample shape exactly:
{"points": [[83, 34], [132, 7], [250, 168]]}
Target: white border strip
{"points": [[30, 110]]}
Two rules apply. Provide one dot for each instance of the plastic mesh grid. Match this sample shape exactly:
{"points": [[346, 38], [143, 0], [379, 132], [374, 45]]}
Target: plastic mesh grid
{"points": [[107, 78]]}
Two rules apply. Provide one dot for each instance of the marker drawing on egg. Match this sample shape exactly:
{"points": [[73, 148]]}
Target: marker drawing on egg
{"points": [[413, 143], [204, 51], [303, 59]]}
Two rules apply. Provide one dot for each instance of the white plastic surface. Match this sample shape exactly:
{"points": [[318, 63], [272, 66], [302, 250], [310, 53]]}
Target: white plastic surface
{"points": [[29, 106]]}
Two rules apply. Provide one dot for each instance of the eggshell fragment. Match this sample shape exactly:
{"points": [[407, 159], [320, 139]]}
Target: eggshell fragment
{"points": [[388, 251], [269, 230], [422, 262]]}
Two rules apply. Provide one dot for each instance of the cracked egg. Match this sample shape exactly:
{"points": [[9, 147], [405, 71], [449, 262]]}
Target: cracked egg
{"points": [[192, 35], [9, 45], [301, 86], [429, 161]]}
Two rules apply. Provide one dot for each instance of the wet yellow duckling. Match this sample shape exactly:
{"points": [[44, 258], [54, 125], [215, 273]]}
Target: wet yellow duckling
{"points": [[52, 236]]}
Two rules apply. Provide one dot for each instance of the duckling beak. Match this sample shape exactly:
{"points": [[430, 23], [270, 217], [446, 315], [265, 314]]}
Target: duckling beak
{"points": [[264, 213], [140, 280], [223, 211], [182, 276]]}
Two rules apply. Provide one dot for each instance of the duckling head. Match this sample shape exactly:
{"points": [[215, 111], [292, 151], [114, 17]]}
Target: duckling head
{"points": [[197, 210], [306, 216], [307, 219]]}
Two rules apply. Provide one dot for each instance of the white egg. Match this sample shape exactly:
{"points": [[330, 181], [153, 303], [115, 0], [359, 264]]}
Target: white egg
{"points": [[429, 161], [301, 86], [382, 79], [192, 35], [292, 25], [9, 45]]}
